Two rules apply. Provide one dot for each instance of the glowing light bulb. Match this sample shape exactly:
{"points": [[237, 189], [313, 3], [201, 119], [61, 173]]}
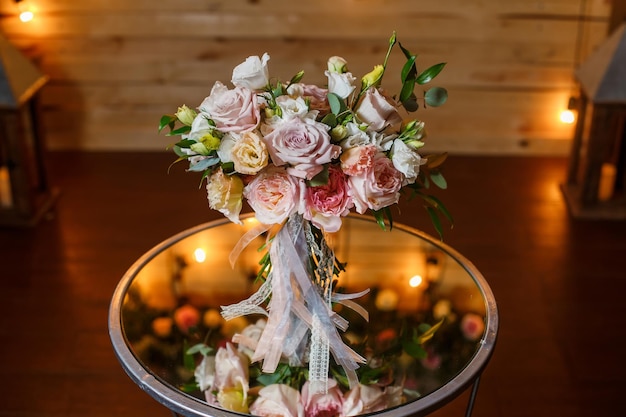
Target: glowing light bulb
{"points": [[26, 16], [199, 255], [415, 281], [567, 116]]}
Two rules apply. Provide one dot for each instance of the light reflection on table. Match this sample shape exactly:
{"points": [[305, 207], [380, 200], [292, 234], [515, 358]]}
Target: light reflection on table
{"points": [[149, 337]]}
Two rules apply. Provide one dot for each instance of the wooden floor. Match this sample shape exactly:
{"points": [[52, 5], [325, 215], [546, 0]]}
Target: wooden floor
{"points": [[560, 284]]}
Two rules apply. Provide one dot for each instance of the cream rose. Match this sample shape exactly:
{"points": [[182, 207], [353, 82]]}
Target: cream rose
{"points": [[278, 400], [378, 112], [274, 195], [225, 193], [377, 187], [249, 154], [406, 160], [235, 110], [252, 73], [302, 145]]}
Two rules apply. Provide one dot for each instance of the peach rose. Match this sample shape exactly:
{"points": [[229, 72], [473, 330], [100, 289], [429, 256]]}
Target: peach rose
{"points": [[235, 110], [274, 195], [378, 187]]}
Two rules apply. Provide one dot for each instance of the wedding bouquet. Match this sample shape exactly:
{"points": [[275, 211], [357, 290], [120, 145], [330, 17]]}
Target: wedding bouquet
{"points": [[302, 157]]}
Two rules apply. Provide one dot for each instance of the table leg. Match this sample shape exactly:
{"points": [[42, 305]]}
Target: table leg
{"points": [[472, 398]]}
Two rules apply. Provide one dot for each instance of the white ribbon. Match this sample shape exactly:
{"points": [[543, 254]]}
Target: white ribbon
{"points": [[299, 306]]}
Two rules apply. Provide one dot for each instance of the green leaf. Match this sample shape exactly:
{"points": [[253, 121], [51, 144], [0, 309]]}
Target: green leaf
{"points": [[428, 334], [336, 103], [413, 349], [330, 120], [434, 219], [181, 130], [438, 179], [405, 51], [319, 179], [380, 218], [442, 209], [407, 91], [410, 104], [436, 96], [429, 73], [185, 143], [409, 71], [167, 120]]}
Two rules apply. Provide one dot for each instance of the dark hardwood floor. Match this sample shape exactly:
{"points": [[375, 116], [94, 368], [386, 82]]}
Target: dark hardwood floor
{"points": [[560, 284]]}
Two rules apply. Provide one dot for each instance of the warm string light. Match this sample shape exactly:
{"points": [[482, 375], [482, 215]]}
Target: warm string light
{"points": [[26, 13]]}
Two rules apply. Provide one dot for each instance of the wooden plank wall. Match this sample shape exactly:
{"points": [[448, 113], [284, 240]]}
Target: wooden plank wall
{"points": [[117, 65]]}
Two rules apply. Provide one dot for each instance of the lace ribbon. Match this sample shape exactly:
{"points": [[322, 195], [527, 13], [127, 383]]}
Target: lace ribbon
{"points": [[299, 306]]}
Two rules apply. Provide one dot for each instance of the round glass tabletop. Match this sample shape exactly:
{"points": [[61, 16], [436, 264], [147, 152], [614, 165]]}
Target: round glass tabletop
{"points": [[170, 299]]}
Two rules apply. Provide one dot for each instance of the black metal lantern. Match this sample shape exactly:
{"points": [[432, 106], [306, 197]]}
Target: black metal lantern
{"points": [[596, 173], [25, 195]]}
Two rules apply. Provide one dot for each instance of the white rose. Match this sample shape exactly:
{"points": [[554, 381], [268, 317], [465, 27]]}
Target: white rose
{"points": [[252, 73], [406, 160], [205, 373], [340, 84], [294, 107]]}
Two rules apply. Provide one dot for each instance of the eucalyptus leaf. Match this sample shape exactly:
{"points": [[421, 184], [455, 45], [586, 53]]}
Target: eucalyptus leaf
{"points": [[438, 179], [204, 164], [429, 73], [436, 96], [335, 103], [442, 209]]}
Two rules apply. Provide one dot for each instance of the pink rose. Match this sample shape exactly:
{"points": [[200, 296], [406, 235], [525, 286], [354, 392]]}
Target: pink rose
{"points": [[378, 187], [277, 400], [235, 110], [378, 112], [186, 317], [326, 204], [274, 195], [303, 145], [472, 326], [357, 160], [322, 404]]}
